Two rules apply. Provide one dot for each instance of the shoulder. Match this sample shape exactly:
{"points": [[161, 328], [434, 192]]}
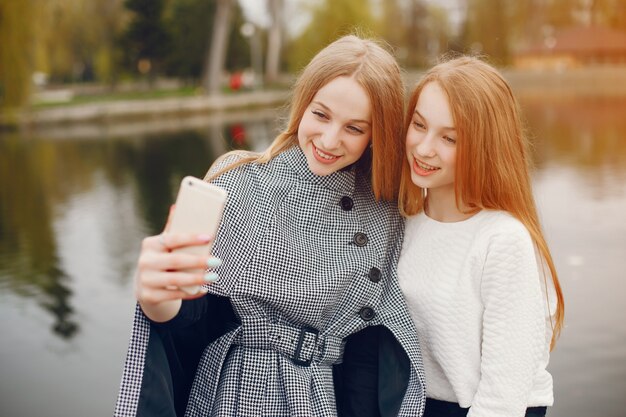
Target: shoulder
{"points": [[501, 226], [255, 186], [508, 251], [230, 165], [238, 171]]}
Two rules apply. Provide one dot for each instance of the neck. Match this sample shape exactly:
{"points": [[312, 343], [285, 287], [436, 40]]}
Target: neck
{"points": [[441, 206]]}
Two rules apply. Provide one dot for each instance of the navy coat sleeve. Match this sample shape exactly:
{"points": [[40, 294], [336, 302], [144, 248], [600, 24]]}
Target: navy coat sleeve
{"points": [[174, 350], [374, 375]]}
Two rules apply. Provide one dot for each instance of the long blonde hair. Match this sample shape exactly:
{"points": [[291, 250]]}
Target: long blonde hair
{"points": [[377, 72], [492, 162]]}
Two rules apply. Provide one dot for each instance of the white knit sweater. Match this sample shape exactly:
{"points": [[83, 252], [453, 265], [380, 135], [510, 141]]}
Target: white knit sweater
{"points": [[478, 299]]}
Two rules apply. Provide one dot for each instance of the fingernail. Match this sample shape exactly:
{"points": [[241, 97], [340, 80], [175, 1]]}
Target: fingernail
{"points": [[210, 277], [205, 238], [213, 262], [204, 290]]}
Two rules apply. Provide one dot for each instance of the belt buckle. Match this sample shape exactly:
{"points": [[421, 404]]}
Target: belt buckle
{"points": [[295, 358]]}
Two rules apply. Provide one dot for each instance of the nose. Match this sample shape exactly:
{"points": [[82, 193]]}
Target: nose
{"points": [[425, 147], [331, 137]]}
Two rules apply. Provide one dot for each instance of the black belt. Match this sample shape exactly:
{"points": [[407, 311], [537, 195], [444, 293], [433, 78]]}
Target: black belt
{"points": [[303, 345]]}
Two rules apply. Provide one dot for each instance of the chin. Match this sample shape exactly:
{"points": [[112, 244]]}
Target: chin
{"points": [[419, 181], [321, 171]]}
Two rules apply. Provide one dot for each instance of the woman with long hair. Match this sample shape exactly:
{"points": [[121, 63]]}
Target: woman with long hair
{"points": [[304, 259], [475, 268]]}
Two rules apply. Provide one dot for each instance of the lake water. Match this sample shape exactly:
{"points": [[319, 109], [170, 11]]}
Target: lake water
{"points": [[75, 202]]}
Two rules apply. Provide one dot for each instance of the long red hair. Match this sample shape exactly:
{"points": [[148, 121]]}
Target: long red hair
{"points": [[492, 162]]}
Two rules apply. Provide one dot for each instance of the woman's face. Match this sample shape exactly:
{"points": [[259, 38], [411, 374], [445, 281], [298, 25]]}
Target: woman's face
{"points": [[431, 141], [336, 127]]}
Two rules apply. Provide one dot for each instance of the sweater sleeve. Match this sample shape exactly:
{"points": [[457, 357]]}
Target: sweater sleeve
{"points": [[513, 336]]}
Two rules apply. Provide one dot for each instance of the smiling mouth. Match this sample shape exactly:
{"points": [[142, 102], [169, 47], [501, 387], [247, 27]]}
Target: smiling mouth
{"points": [[425, 166], [325, 157], [422, 168]]}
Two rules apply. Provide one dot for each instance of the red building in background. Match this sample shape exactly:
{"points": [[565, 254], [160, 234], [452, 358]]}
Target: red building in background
{"points": [[574, 47]]}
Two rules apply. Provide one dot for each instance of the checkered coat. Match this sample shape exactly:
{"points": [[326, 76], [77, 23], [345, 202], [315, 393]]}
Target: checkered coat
{"points": [[307, 261]]}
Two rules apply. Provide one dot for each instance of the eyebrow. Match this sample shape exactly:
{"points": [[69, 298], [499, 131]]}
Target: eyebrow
{"points": [[423, 118], [330, 111]]}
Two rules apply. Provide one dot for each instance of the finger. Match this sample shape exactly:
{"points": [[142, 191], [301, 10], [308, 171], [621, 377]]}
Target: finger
{"points": [[175, 241], [175, 261], [166, 242], [173, 280], [156, 295], [201, 293], [155, 243]]}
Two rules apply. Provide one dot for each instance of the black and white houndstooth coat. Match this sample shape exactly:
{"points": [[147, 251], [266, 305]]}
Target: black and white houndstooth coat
{"points": [[307, 261]]}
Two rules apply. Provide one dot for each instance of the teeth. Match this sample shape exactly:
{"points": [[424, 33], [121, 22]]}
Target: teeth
{"points": [[424, 166], [323, 155]]}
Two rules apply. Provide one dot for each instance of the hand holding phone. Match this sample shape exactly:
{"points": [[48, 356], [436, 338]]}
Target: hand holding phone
{"points": [[199, 208]]}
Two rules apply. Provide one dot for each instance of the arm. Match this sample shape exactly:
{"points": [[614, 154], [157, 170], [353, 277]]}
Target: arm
{"points": [[513, 336], [160, 272]]}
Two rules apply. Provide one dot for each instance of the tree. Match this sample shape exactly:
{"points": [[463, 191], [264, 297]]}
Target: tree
{"points": [[391, 30], [187, 22], [419, 32], [146, 37], [610, 13], [216, 55], [190, 39], [416, 34], [274, 40], [16, 51], [486, 29], [330, 20]]}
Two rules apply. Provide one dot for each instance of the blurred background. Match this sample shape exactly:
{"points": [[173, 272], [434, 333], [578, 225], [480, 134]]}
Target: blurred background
{"points": [[106, 104]]}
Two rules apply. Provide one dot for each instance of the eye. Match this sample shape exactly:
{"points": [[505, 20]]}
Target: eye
{"points": [[418, 125], [320, 114], [355, 129], [450, 140]]}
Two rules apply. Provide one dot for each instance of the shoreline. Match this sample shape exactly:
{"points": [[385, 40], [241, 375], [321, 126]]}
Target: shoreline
{"points": [[145, 109], [577, 83]]}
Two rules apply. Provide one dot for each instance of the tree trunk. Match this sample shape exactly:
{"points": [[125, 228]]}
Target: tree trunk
{"points": [[274, 40], [216, 55]]}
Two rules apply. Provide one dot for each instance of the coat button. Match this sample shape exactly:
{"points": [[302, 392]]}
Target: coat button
{"points": [[360, 239], [346, 203], [374, 274], [367, 313]]}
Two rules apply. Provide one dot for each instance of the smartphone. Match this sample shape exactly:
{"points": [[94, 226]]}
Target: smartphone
{"points": [[199, 208]]}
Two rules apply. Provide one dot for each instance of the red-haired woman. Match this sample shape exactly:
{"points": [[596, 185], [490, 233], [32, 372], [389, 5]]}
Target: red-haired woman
{"points": [[475, 268]]}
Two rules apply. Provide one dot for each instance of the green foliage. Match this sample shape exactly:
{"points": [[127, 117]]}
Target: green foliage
{"points": [[16, 52], [416, 31], [330, 20], [486, 29], [190, 24], [146, 37], [495, 28]]}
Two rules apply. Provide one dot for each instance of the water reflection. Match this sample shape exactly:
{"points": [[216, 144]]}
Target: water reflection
{"points": [[584, 133], [28, 249], [40, 175]]}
